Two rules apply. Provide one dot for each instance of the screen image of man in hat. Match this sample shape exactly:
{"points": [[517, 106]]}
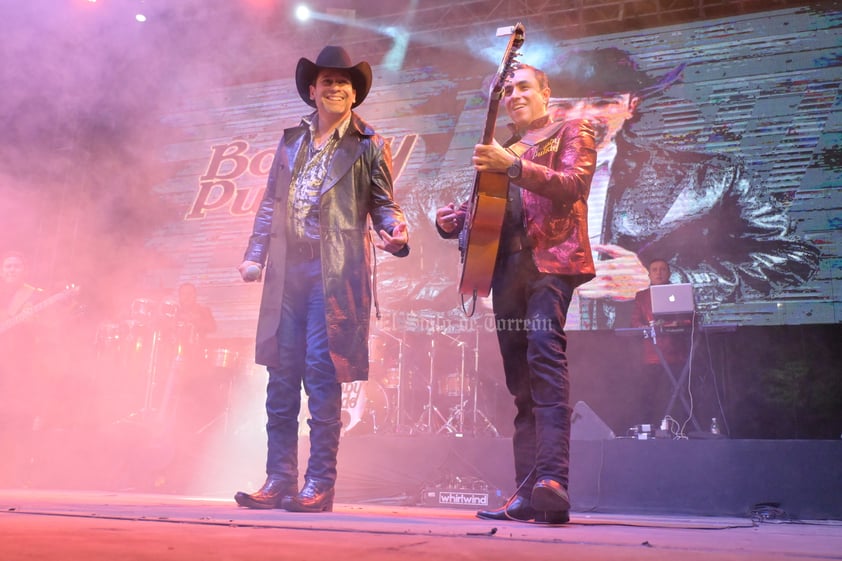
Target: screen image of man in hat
{"points": [[311, 247], [714, 223]]}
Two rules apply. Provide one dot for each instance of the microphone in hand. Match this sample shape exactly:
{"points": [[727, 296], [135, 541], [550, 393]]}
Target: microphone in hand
{"points": [[252, 273]]}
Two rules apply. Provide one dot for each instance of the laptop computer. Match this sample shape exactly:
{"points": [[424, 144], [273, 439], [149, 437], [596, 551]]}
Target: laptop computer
{"points": [[672, 299]]}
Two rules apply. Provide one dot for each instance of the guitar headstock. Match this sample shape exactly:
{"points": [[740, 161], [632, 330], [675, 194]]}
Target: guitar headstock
{"points": [[69, 290], [507, 63]]}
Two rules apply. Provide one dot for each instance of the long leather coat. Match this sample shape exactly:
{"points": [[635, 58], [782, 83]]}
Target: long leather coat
{"points": [[358, 184]]}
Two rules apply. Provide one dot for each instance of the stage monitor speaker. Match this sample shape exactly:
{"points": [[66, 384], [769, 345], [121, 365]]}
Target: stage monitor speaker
{"points": [[586, 425]]}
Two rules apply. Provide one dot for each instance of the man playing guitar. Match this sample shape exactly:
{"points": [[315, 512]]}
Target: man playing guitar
{"points": [[18, 370], [543, 255]]}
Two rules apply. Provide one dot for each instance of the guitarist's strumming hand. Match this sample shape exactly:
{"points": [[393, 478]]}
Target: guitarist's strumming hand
{"points": [[394, 242], [448, 218], [492, 158]]}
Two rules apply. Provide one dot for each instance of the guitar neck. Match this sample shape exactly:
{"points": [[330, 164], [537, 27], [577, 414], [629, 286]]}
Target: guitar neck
{"points": [[499, 84], [480, 237], [37, 308], [490, 120]]}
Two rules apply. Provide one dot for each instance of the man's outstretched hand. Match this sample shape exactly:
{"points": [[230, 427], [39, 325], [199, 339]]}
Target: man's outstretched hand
{"points": [[394, 242], [618, 278]]}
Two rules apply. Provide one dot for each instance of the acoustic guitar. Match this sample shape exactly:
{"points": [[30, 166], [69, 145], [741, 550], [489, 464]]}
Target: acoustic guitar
{"points": [[480, 237]]}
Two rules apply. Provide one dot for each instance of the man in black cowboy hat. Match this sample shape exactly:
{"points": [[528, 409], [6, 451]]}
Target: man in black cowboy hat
{"points": [[704, 213], [310, 243]]}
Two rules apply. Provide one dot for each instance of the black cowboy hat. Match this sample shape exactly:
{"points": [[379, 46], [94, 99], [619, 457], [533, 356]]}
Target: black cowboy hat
{"points": [[606, 71], [334, 58]]}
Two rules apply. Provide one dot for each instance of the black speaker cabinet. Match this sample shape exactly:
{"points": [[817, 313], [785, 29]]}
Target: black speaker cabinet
{"points": [[586, 425]]}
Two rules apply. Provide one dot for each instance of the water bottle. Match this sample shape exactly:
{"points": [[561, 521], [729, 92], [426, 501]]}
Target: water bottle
{"points": [[714, 426], [664, 430]]}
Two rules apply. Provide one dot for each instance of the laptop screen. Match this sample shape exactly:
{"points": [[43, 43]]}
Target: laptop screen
{"points": [[669, 299]]}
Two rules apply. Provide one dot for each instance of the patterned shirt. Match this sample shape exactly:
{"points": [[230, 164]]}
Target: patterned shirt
{"points": [[311, 165]]}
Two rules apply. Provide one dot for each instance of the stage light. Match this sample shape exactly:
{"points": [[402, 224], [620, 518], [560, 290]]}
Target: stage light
{"points": [[341, 14], [302, 12], [540, 54], [140, 17], [393, 60]]}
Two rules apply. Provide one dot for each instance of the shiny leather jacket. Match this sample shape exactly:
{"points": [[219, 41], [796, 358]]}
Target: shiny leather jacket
{"points": [[358, 185], [557, 167], [558, 160]]}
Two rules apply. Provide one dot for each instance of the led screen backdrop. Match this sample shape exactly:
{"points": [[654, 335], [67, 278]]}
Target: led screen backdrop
{"points": [[758, 97]]}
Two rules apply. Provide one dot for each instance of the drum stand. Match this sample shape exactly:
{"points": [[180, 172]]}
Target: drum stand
{"points": [[147, 410], [225, 415], [158, 392], [430, 408], [151, 372], [399, 385], [459, 411]]}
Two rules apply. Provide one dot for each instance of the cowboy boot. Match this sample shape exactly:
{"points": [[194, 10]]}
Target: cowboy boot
{"points": [[271, 495]]}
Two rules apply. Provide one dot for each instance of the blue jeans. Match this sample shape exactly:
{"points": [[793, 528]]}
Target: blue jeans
{"points": [[305, 359], [530, 309]]}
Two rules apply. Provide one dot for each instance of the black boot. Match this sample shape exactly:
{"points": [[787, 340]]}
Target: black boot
{"points": [[549, 494], [271, 495], [315, 496], [520, 509], [516, 508]]}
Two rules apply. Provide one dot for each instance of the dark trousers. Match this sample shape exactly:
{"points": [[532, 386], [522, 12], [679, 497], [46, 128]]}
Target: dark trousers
{"points": [[530, 309], [305, 359]]}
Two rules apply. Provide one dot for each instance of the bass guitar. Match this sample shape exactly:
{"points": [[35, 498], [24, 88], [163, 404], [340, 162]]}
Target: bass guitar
{"points": [[480, 237], [31, 311]]}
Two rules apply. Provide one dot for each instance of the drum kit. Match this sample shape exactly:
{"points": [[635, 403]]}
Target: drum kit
{"points": [[155, 357], [411, 392], [419, 383], [459, 389]]}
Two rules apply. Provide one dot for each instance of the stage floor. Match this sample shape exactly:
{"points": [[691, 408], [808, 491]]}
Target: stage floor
{"points": [[99, 526]]}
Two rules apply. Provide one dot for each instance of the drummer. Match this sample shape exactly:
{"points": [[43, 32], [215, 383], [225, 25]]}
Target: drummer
{"points": [[193, 316], [198, 385]]}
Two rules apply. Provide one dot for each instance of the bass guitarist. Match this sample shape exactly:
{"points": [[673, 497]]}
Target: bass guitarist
{"points": [[544, 254], [18, 375], [15, 294]]}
